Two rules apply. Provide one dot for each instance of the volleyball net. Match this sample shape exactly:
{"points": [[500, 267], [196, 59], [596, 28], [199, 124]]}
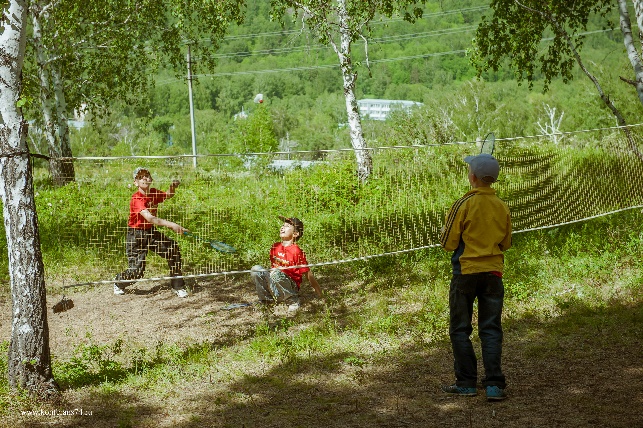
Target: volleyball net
{"points": [[237, 198]]}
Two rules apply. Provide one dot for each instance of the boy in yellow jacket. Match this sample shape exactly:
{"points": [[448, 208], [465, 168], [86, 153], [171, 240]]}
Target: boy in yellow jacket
{"points": [[478, 230]]}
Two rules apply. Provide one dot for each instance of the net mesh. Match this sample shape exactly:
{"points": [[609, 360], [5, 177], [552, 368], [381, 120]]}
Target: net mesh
{"points": [[237, 200]]}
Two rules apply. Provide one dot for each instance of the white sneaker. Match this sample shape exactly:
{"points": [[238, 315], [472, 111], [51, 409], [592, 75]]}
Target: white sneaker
{"points": [[118, 290], [293, 307], [181, 292]]}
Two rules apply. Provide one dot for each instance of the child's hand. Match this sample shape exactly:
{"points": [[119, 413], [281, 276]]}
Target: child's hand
{"points": [[178, 228], [175, 183]]}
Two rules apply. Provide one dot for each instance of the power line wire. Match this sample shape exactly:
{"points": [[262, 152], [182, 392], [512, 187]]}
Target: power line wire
{"points": [[384, 39], [331, 66], [379, 22]]}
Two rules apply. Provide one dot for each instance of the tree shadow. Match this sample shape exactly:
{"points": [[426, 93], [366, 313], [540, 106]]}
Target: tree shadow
{"points": [[581, 369]]}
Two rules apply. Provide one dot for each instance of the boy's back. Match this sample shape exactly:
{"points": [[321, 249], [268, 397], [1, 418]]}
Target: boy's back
{"points": [[478, 230]]}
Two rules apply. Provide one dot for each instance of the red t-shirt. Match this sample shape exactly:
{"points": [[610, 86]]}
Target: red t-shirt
{"points": [[142, 202], [292, 255]]}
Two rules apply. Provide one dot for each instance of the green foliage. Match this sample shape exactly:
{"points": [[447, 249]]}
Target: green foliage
{"points": [[91, 363], [516, 31], [308, 106], [254, 134]]}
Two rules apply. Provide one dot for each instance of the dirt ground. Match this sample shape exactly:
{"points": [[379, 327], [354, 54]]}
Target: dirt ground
{"points": [[583, 369]]}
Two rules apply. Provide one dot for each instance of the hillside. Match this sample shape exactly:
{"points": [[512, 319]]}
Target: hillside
{"points": [[301, 84]]}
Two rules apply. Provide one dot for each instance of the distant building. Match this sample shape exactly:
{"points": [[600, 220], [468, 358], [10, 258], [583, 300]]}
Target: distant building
{"points": [[379, 109]]}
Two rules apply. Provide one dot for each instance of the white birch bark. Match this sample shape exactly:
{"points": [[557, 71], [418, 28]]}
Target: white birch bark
{"points": [[29, 365], [46, 103], [632, 53], [638, 13], [362, 155]]}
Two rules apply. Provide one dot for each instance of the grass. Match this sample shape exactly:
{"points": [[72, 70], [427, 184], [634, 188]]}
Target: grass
{"points": [[384, 323], [565, 288]]}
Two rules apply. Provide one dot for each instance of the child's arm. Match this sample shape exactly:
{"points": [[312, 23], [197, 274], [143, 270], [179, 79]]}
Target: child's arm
{"points": [[314, 283], [506, 242], [452, 230], [173, 186], [162, 222]]}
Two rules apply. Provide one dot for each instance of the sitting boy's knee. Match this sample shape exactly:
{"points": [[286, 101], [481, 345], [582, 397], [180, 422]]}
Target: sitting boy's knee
{"points": [[257, 270]]}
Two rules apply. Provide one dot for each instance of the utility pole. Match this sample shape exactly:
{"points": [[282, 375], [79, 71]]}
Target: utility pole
{"points": [[193, 127]]}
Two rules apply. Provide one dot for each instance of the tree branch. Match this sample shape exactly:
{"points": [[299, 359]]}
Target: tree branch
{"points": [[562, 33], [628, 81], [368, 66]]}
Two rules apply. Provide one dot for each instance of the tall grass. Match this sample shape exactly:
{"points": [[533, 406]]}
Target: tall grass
{"points": [[402, 206]]}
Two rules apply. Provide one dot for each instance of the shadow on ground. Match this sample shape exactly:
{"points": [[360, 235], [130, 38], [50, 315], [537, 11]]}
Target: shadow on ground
{"points": [[581, 369]]}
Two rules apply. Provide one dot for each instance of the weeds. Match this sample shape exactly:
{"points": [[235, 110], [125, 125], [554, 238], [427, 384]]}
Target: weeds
{"points": [[551, 279], [91, 364]]}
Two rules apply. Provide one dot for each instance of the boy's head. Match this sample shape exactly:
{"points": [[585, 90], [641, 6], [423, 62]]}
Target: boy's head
{"points": [[298, 226], [141, 172], [484, 167]]}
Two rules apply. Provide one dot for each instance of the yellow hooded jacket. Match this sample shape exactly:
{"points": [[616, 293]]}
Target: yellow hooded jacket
{"points": [[477, 229]]}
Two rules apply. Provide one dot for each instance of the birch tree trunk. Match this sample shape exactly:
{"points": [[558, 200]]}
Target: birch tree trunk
{"points": [[29, 364], [58, 167], [632, 53], [62, 112], [362, 155], [638, 13]]}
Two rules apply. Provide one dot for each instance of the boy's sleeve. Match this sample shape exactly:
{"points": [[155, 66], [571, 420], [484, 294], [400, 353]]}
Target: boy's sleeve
{"points": [[302, 261], [452, 230], [506, 242], [136, 205], [273, 263], [158, 196]]}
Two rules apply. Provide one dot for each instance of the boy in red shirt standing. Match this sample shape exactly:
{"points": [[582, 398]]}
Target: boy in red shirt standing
{"points": [[142, 234], [280, 283]]}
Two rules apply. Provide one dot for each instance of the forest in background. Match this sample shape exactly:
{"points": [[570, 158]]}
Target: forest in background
{"points": [[305, 109]]}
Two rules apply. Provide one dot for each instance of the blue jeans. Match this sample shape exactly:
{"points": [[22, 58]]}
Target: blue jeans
{"points": [[274, 285], [490, 292]]}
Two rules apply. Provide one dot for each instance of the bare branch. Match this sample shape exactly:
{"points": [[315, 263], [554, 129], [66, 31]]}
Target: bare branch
{"points": [[44, 11], [628, 81], [368, 66]]}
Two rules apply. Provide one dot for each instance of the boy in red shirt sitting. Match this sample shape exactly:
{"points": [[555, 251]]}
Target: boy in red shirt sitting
{"points": [[280, 283], [142, 234]]}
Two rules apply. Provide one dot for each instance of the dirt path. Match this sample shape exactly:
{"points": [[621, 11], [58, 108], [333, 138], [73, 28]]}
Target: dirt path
{"points": [[582, 369], [150, 314]]}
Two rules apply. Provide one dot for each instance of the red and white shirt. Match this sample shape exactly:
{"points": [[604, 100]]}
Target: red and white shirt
{"points": [[140, 202], [291, 255]]}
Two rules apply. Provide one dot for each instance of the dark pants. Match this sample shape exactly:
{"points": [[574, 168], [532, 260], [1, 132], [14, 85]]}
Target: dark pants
{"points": [[138, 242], [489, 290]]}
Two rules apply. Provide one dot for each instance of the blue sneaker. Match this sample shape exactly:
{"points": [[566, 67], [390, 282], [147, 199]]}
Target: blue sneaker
{"points": [[460, 390], [495, 393]]}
